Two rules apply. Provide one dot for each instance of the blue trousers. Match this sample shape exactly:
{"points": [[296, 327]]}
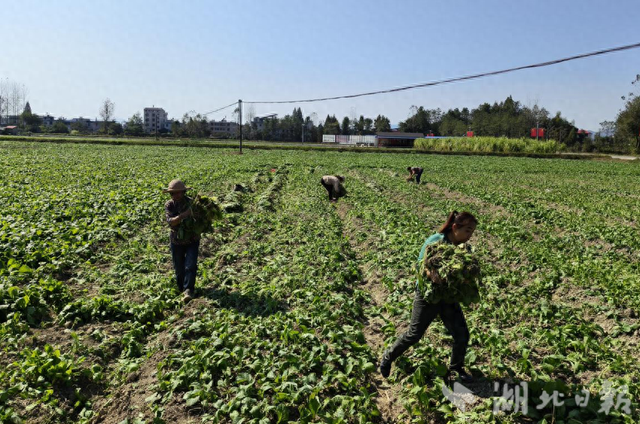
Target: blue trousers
{"points": [[185, 264]]}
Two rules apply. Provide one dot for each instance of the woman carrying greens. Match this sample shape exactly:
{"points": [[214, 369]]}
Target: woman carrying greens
{"points": [[434, 296]]}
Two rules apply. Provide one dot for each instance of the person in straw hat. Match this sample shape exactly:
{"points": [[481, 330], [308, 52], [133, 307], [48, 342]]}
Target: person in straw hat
{"points": [[184, 244]]}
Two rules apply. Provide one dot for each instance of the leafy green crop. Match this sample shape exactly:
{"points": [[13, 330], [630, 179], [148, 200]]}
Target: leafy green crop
{"points": [[204, 211], [297, 297], [457, 270]]}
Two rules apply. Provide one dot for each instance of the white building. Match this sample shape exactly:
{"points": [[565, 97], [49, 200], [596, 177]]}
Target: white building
{"points": [[91, 126], [155, 119], [47, 120], [223, 127], [260, 120]]}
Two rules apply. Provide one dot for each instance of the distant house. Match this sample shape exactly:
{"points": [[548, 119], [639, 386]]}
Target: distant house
{"points": [[260, 120], [9, 119], [9, 130], [48, 120], [95, 125], [86, 121], [92, 126], [223, 127], [155, 119], [397, 139]]}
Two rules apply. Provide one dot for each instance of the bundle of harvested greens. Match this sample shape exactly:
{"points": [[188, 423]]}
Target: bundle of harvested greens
{"points": [[204, 211], [459, 273], [233, 202]]}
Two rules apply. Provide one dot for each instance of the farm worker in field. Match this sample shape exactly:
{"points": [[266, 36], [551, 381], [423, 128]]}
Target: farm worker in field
{"points": [[333, 184], [458, 229], [414, 172], [184, 245]]}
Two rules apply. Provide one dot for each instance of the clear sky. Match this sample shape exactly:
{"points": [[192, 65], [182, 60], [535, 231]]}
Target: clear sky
{"points": [[200, 55]]}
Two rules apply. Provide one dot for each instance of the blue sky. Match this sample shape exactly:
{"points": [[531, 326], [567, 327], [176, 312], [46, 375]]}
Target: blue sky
{"points": [[201, 55]]}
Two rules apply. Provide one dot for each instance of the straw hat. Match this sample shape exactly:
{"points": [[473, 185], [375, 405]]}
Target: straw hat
{"points": [[175, 186]]}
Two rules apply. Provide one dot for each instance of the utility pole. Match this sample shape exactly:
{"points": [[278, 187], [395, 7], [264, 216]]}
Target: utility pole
{"points": [[240, 113]]}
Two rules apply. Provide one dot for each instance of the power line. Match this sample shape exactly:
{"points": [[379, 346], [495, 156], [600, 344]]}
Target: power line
{"points": [[218, 110], [450, 80]]}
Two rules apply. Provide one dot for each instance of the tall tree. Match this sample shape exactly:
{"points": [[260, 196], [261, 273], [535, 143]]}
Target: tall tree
{"points": [[421, 120], [80, 126], [628, 120], [382, 124], [251, 128], [59, 127], [117, 129], [106, 113], [368, 126], [453, 123], [331, 125], [12, 101], [195, 126], [297, 121], [346, 126], [135, 125], [310, 130], [31, 121], [607, 128], [359, 126]]}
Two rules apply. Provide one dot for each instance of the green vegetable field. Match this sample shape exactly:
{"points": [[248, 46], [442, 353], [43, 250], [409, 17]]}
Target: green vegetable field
{"points": [[297, 297]]}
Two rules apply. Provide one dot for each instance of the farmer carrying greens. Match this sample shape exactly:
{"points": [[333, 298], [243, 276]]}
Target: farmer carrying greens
{"points": [[333, 185], [458, 229], [184, 243]]}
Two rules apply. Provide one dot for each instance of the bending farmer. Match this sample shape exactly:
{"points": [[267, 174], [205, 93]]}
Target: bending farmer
{"points": [[414, 172], [333, 184]]}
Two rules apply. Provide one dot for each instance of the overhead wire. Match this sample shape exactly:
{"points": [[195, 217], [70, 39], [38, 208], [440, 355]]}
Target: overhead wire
{"points": [[222, 108], [450, 80]]}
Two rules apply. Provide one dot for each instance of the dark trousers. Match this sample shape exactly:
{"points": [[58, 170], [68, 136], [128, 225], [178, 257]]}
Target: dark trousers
{"points": [[418, 175], [185, 264], [328, 187], [422, 315]]}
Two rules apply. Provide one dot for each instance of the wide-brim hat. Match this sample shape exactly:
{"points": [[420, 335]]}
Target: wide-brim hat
{"points": [[175, 186]]}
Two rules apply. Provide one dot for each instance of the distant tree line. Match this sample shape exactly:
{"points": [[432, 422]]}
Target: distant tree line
{"points": [[296, 127], [509, 119]]}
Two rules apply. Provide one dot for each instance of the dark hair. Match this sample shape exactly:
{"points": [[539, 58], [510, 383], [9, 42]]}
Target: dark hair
{"points": [[408, 168], [340, 177], [458, 218]]}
